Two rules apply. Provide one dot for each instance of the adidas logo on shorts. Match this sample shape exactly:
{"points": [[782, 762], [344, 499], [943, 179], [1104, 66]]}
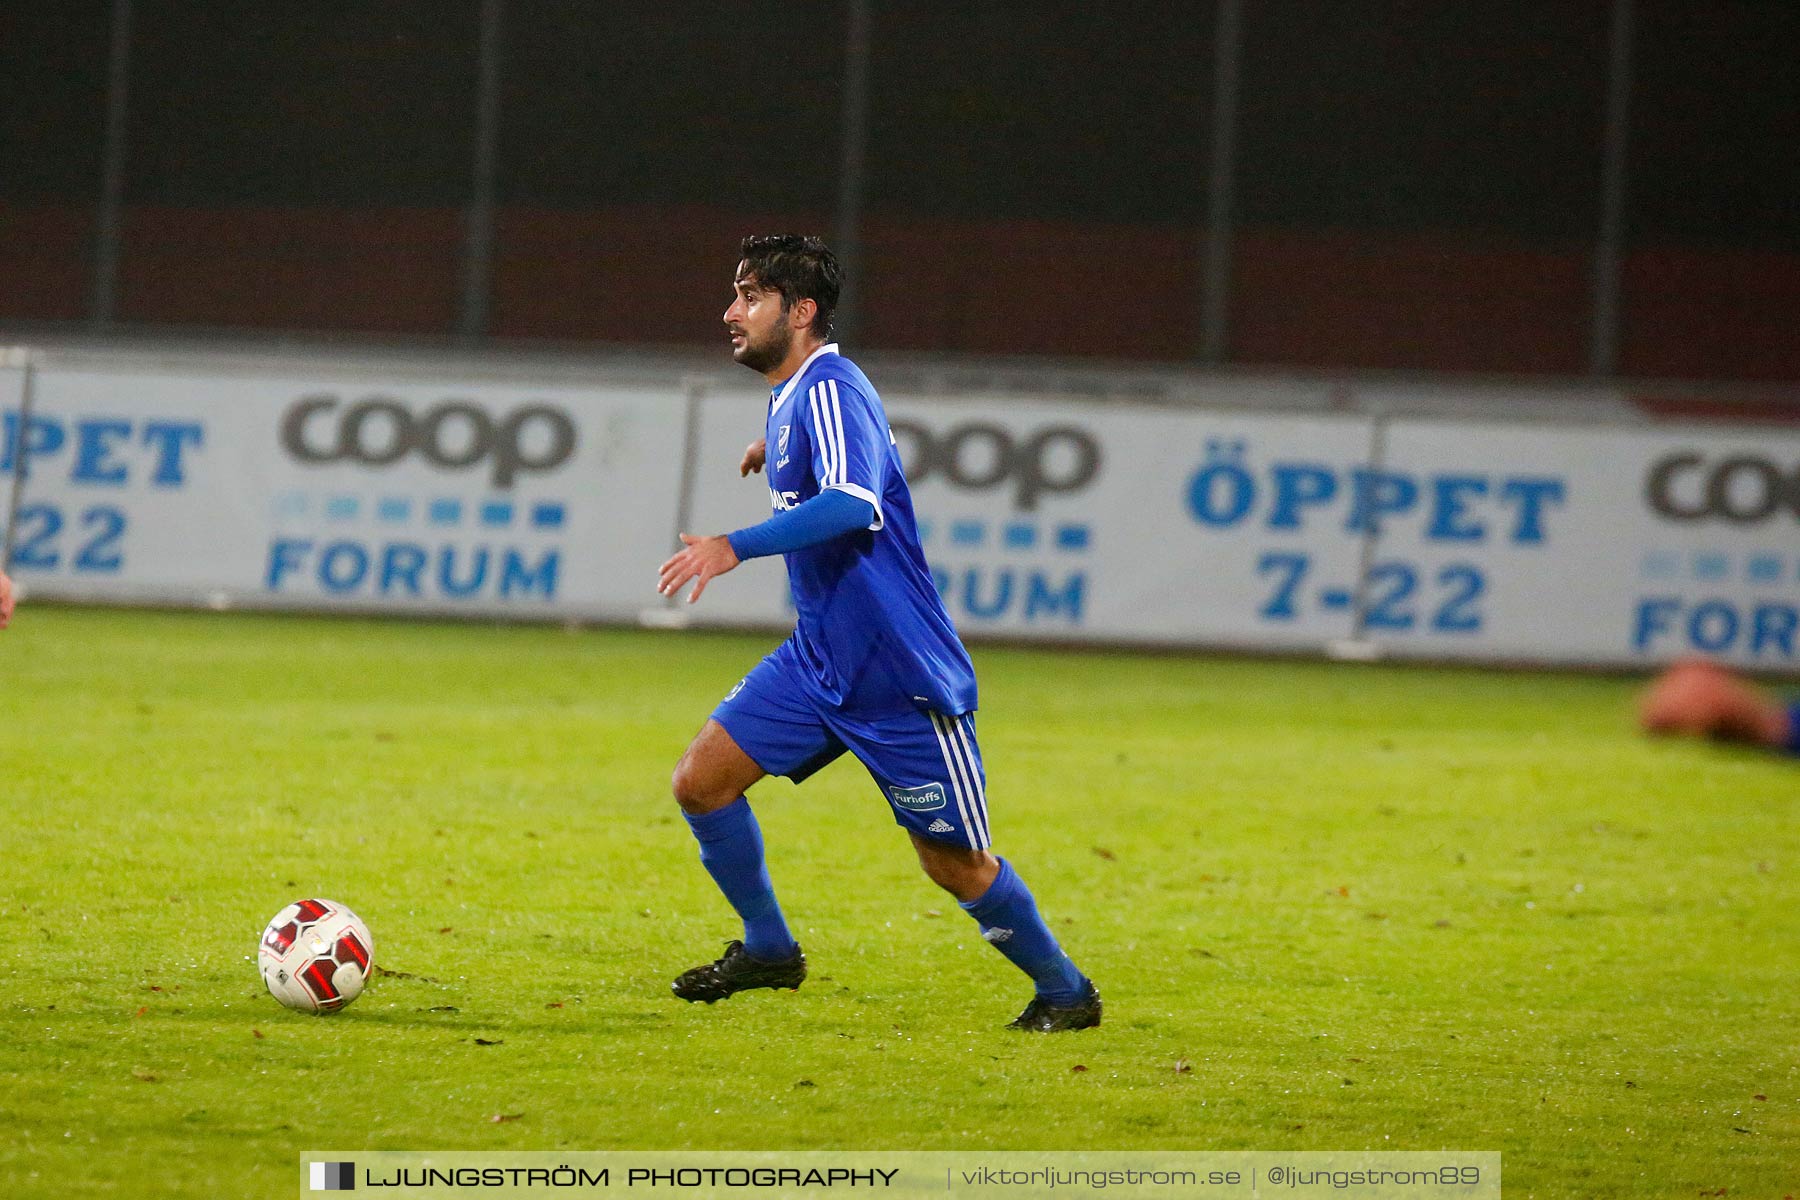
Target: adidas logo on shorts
{"points": [[940, 826]]}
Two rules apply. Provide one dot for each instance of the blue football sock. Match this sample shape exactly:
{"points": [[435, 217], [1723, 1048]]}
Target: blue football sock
{"points": [[1009, 920], [731, 849], [1793, 737]]}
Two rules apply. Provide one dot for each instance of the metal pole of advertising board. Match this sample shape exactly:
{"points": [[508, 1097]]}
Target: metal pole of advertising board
{"points": [[1221, 185], [672, 613], [103, 299], [852, 159], [1357, 647], [478, 221], [16, 494], [1609, 249]]}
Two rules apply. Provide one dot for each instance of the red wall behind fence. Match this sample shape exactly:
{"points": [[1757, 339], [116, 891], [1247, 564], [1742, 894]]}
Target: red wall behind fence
{"points": [[1447, 302]]}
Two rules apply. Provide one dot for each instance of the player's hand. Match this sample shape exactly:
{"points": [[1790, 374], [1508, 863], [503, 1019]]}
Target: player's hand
{"points": [[754, 456], [699, 558], [6, 600]]}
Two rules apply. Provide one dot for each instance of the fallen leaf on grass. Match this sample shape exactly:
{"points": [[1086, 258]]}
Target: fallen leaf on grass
{"points": [[256, 1033], [140, 1012], [554, 1004], [932, 912], [489, 1041], [447, 929], [1103, 852], [146, 1076], [1759, 1096], [387, 974], [1078, 1068], [1183, 1067], [502, 1118], [805, 1083]]}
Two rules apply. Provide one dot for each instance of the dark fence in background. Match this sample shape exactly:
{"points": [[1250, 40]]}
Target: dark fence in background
{"points": [[1497, 185]]}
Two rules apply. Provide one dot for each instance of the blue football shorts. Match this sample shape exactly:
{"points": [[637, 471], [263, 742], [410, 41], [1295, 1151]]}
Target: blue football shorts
{"points": [[927, 764]]}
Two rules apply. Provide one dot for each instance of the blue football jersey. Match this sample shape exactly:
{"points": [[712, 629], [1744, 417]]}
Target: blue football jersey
{"points": [[872, 631]]}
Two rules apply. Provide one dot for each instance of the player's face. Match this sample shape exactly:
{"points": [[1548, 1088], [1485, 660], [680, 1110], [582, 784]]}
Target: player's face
{"points": [[760, 333]]}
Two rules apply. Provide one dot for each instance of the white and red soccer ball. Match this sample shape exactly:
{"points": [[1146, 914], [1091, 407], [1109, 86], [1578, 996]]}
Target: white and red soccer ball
{"points": [[316, 955]]}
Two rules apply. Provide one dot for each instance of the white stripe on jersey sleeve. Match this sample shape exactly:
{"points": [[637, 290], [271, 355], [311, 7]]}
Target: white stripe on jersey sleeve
{"points": [[826, 457], [837, 422]]}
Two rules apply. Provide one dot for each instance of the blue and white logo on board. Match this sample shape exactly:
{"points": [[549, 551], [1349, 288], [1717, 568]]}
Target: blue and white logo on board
{"points": [[430, 500], [1009, 532], [925, 798]]}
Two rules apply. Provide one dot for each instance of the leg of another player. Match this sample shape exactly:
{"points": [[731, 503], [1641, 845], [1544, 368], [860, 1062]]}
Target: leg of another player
{"points": [[1703, 699], [709, 784], [990, 891]]}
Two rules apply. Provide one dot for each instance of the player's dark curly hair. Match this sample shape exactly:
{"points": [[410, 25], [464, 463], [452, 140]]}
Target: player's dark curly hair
{"points": [[800, 268]]}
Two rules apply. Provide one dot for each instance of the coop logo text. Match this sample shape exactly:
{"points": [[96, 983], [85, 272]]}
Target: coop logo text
{"points": [[981, 455], [1739, 489], [452, 435]]}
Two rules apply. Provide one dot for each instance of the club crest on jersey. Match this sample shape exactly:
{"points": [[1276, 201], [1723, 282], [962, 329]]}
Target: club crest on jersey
{"points": [[781, 445], [919, 799]]}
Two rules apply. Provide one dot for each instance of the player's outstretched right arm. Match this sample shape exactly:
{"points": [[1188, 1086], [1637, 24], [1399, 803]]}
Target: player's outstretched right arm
{"points": [[6, 600], [755, 454]]}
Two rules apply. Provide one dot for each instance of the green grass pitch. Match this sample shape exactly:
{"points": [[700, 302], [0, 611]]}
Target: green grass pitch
{"points": [[1330, 907]]}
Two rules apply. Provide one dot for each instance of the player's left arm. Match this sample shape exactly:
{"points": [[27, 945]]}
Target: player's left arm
{"points": [[849, 463], [850, 440], [6, 600], [700, 558], [827, 515]]}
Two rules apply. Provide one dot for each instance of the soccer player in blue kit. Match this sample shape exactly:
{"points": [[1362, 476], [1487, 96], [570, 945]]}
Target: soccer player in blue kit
{"points": [[874, 665]]}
